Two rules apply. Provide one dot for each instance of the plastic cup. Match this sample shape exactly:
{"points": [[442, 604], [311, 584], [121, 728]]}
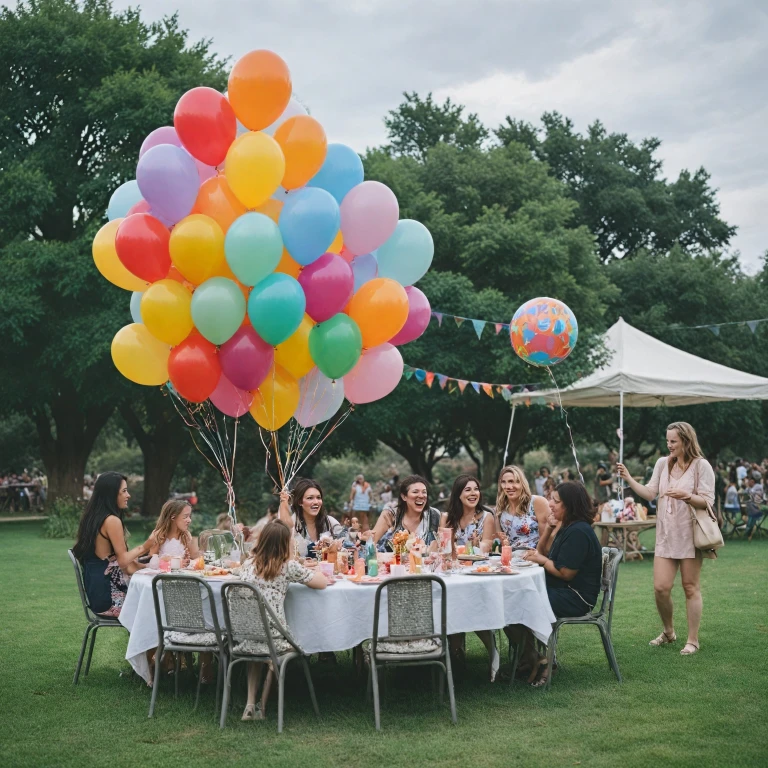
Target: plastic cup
{"points": [[506, 555]]}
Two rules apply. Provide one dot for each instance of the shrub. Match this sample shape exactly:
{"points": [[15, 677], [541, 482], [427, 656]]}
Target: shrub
{"points": [[63, 519]]}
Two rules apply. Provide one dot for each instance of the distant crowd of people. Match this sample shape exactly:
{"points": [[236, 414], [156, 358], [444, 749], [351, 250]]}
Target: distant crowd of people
{"points": [[24, 491]]}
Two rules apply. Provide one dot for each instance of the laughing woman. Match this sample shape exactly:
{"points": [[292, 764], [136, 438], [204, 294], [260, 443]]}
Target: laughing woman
{"points": [[304, 513]]}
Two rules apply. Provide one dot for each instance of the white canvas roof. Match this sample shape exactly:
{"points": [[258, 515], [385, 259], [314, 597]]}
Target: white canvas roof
{"points": [[651, 373]]}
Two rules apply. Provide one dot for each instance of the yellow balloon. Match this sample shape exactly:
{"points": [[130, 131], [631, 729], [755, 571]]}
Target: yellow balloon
{"points": [[197, 248], [254, 168], [166, 311], [293, 353], [139, 356], [105, 258], [337, 244], [276, 399]]}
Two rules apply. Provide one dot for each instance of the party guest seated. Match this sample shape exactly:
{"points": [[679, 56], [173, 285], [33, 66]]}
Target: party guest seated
{"points": [[271, 568], [101, 549], [171, 534], [572, 558], [519, 514]]}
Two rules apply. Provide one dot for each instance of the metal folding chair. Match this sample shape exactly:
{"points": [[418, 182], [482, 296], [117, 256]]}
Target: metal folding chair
{"points": [[95, 622]]}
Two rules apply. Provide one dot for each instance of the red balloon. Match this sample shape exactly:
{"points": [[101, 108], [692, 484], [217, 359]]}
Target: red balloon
{"points": [[141, 207], [142, 245], [194, 368], [205, 122]]}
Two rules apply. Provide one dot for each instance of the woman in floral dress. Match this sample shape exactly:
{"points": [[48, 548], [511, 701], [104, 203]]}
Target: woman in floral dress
{"points": [[519, 514]]}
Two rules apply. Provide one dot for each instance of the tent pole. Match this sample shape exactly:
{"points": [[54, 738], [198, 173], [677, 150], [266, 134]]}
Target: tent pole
{"points": [[509, 434], [621, 443]]}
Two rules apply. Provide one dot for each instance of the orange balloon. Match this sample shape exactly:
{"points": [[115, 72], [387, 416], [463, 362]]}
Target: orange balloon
{"points": [[337, 245], [380, 309], [276, 399], [271, 208], [304, 145], [259, 89], [217, 200], [288, 266]]}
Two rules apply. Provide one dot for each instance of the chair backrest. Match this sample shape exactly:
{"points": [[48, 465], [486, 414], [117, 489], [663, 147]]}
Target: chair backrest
{"points": [[409, 609], [611, 559], [89, 614], [248, 616], [182, 598]]}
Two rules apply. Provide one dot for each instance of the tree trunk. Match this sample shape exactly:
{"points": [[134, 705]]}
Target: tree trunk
{"points": [[65, 448]]}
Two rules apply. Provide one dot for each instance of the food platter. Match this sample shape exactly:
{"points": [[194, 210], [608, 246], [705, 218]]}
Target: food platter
{"points": [[493, 571], [472, 558]]}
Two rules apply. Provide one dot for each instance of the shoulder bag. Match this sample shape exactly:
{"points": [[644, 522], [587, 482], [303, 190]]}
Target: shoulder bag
{"points": [[707, 535]]}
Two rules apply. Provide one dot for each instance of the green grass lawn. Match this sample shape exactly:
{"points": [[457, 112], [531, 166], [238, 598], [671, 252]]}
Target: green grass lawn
{"points": [[705, 710]]}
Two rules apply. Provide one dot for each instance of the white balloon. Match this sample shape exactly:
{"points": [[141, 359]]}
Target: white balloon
{"points": [[319, 398], [136, 306], [293, 109]]}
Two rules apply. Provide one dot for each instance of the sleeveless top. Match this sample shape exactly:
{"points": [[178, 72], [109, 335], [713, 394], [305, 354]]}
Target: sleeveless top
{"points": [[475, 526], [521, 530], [362, 499], [426, 529], [173, 548]]}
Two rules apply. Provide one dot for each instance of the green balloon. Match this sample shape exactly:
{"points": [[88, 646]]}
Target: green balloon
{"points": [[218, 309], [253, 247], [336, 345]]}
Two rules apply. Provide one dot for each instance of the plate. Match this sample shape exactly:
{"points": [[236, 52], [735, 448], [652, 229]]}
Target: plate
{"points": [[472, 558], [367, 580], [523, 564], [511, 572]]}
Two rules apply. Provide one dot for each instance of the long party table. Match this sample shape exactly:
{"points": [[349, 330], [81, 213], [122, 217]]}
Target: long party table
{"points": [[341, 616]]}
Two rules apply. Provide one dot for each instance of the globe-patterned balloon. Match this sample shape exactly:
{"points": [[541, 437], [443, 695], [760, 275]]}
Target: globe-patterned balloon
{"points": [[543, 331]]}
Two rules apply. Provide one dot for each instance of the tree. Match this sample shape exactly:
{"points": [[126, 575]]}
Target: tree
{"points": [[621, 194], [84, 85]]}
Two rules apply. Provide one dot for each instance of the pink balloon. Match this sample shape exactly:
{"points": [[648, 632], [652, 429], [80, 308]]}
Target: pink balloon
{"points": [[328, 284], [164, 135], [141, 207], [376, 374], [204, 171], [419, 313], [231, 400], [246, 358], [369, 214]]}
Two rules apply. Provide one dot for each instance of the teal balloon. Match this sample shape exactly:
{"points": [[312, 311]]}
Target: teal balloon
{"points": [[218, 309], [335, 346], [276, 307], [136, 306], [407, 254], [123, 199], [253, 247]]}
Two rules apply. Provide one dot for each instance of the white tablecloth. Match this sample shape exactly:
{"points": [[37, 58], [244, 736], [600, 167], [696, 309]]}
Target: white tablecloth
{"points": [[341, 616]]}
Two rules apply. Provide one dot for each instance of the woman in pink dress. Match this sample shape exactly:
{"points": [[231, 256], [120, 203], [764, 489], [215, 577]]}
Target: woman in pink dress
{"points": [[682, 480]]}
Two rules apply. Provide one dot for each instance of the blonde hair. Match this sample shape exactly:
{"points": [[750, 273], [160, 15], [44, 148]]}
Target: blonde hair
{"points": [[170, 511], [691, 447], [502, 502]]}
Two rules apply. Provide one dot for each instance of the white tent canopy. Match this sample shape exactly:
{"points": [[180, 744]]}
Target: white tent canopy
{"points": [[645, 372]]}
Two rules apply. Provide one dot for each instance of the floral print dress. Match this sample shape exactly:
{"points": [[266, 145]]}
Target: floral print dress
{"points": [[521, 530], [475, 527]]}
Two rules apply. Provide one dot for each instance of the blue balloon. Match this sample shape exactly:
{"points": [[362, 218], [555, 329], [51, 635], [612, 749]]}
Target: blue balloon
{"points": [[364, 268], [123, 199], [136, 306], [276, 307], [309, 222], [407, 254], [342, 170]]}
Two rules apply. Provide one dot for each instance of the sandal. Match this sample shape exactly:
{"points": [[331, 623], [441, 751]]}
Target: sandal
{"points": [[663, 639], [542, 679], [252, 712], [695, 647]]}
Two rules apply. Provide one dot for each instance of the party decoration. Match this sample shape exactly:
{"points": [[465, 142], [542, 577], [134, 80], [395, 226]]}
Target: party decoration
{"points": [[205, 123], [294, 109], [304, 146], [165, 310], [141, 244], [253, 247], [218, 309], [342, 170], [246, 358], [328, 285], [107, 261], [376, 375], [216, 199], [309, 222], [169, 182], [139, 356], [231, 400], [419, 313], [141, 207], [197, 248], [194, 368], [123, 199], [259, 89], [165, 134], [136, 306], [293, 353], [276, 400], [319, 399], [335, 346], [407, 254], [380, 309], [369, 214], [254, 167], [276, 307], [288, 266], [364, 269], [543, 331]]}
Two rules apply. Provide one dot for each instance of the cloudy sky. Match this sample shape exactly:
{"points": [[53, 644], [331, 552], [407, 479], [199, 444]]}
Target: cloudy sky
{"points": [[687, 72]]}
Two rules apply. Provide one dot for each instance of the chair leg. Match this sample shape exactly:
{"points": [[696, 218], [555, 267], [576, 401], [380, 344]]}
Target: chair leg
{"points": [[608, 645], [223, 665], [309, 684], [515, 651], [90, 650], [82, 653], [551, 656], [375, 684], [199, 681], [155, 681], [449, 682], [225, 696], [281, 696]]}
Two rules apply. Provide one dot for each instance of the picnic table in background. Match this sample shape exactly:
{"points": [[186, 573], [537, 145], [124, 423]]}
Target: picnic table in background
{"points": [[620, 535]]}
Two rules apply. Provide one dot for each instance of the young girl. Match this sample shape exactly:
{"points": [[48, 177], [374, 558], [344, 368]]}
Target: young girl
{"points": [[271, 569], [171, 534]]}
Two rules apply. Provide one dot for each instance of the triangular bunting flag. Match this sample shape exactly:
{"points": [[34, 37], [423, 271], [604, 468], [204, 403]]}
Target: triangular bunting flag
{"points": [[506, 394], [420, 374], [459, 320], [488, 389], [439, 317], [407, 372], [430, 378], [714, 328], [499, 326], [479, 326], [442, 380], [462, 385], [476, 387], [752, 325]]}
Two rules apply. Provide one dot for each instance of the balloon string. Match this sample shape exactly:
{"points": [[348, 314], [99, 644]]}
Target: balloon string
{"points": [[564, 414]]}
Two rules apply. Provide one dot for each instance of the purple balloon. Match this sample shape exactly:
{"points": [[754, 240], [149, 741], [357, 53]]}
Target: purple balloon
{"points": [[364, 268], [163, 135], [246, 358], [168, 181], [369, 214], [328, 284], [419, 313]]}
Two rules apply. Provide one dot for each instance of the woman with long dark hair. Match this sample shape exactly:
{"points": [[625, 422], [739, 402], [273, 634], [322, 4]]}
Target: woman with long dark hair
{"points": [[303, 511], [101, 545]]}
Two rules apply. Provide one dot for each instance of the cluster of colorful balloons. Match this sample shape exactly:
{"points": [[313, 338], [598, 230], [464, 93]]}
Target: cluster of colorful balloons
{"points": [[543, 331], [267, 275]]}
